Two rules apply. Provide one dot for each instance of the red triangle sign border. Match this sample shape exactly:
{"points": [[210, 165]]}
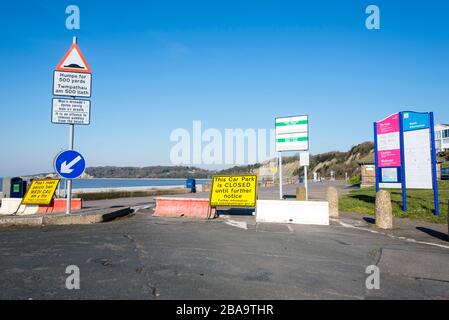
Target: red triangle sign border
{"points": [[60, 67]]}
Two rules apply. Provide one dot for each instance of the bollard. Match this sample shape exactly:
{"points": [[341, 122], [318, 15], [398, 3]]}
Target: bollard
{"points": [[300, 193], [384, 211], [332, 199]]}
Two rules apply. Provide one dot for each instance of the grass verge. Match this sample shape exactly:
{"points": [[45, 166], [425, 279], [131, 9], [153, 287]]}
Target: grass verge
{"points": [[419, 202]]}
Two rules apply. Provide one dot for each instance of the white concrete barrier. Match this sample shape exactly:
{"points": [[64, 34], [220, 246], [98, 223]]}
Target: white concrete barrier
{"points": [[26, 210], [12, 206], [298, 212]]}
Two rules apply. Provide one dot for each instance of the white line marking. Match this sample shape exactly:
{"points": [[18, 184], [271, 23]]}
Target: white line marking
{"points": [[346, 225], [237, 224]]}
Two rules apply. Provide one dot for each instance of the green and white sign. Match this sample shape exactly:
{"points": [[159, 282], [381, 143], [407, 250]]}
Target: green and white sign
{"points": [[292, 133]]}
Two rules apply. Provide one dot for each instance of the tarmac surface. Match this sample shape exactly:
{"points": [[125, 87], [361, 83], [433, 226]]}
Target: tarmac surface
{"points": [[232, 257]]}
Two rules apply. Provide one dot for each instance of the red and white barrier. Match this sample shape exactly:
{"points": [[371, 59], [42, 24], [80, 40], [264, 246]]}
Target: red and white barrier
{"points": [[60, 206], [13, 206], [183, 207]]}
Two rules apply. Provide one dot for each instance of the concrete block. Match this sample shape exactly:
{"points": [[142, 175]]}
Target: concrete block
{"points": [[332, 199], [301, 193], [384, 211], [297, 212]]}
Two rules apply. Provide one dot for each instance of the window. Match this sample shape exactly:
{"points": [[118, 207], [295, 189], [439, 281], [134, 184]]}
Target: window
{"points": [[446, 133]]}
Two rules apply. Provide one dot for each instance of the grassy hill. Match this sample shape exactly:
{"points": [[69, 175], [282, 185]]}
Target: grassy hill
{"points": [[324, 163], [148, 172], [340, 162]]}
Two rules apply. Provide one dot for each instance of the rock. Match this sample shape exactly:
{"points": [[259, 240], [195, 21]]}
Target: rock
{"points": [[332, 199], [384, 211], [301, 193]]}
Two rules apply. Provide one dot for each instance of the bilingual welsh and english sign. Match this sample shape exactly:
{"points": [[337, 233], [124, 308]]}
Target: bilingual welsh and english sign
{"points": [[72, 78], [72, 84], [41, 192], [405, 153], [70, 111], [292, 133], [234, 191]]}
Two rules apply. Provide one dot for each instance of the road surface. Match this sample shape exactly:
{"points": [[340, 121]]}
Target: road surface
{"points": [[144, 257]]}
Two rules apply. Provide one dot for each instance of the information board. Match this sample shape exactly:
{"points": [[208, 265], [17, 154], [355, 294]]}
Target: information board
{"points": [[405, 154], [292, 133], [417, 150]]}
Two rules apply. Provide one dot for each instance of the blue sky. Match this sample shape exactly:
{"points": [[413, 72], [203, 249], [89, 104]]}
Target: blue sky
{"points": [[159, 65]]}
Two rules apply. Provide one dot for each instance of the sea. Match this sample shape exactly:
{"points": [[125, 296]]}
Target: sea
{"points": [[117, 183]]}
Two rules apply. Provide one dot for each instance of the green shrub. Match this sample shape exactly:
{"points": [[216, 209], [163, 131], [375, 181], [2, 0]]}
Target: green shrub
{"points": [[355, 180]]}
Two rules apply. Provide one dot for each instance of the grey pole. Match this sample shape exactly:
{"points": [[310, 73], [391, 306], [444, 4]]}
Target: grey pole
{"points": [[69, 181], [71, 139], [281, 195], [305, 183]]}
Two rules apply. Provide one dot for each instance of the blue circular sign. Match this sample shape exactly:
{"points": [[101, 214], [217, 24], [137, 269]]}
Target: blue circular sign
{"points": [[70, 164]]}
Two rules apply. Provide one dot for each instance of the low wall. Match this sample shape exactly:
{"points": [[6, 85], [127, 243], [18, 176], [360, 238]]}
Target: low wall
{"points": [[297, 212], [126, 192]]}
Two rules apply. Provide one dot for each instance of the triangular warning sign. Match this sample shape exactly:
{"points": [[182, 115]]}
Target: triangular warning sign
{"points": [[73, 61]]}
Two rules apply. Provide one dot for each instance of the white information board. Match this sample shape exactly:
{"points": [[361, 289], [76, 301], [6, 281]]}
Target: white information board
{"points": [[292, 133], [70, 111], [418, 162], [72, 84]]}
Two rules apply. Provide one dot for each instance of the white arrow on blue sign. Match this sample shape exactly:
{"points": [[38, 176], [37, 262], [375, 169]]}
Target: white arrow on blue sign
{"points": [[70, 164]]}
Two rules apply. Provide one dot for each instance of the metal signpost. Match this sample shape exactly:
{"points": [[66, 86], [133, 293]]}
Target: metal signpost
{"points": [[72, 78], [304, 161], [405, 155], [292, 134]]}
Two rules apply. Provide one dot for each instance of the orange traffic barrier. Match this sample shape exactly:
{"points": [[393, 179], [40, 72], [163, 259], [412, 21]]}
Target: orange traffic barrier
{"points": [[60, 205], [183, 207]]}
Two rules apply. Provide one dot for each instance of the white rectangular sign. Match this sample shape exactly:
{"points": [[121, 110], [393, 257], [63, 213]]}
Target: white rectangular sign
{"points": [[304, 159], [418, 161], [70, 111], [388, 141], [72, 84], [292, 133]]}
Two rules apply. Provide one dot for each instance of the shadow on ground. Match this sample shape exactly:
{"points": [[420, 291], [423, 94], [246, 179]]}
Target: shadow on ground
{"points": [[369, 220], [236, 212], [434, 233], [364, 198]]}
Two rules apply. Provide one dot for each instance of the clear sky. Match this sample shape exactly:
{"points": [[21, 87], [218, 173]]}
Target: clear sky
{"points": [[159, 65]]}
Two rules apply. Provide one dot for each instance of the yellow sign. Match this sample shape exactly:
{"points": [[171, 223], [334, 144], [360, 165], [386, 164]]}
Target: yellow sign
{"points": [[234, 191], [41, 192]]}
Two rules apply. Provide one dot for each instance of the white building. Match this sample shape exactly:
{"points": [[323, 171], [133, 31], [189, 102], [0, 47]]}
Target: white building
{"points": [[441, 137]]}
